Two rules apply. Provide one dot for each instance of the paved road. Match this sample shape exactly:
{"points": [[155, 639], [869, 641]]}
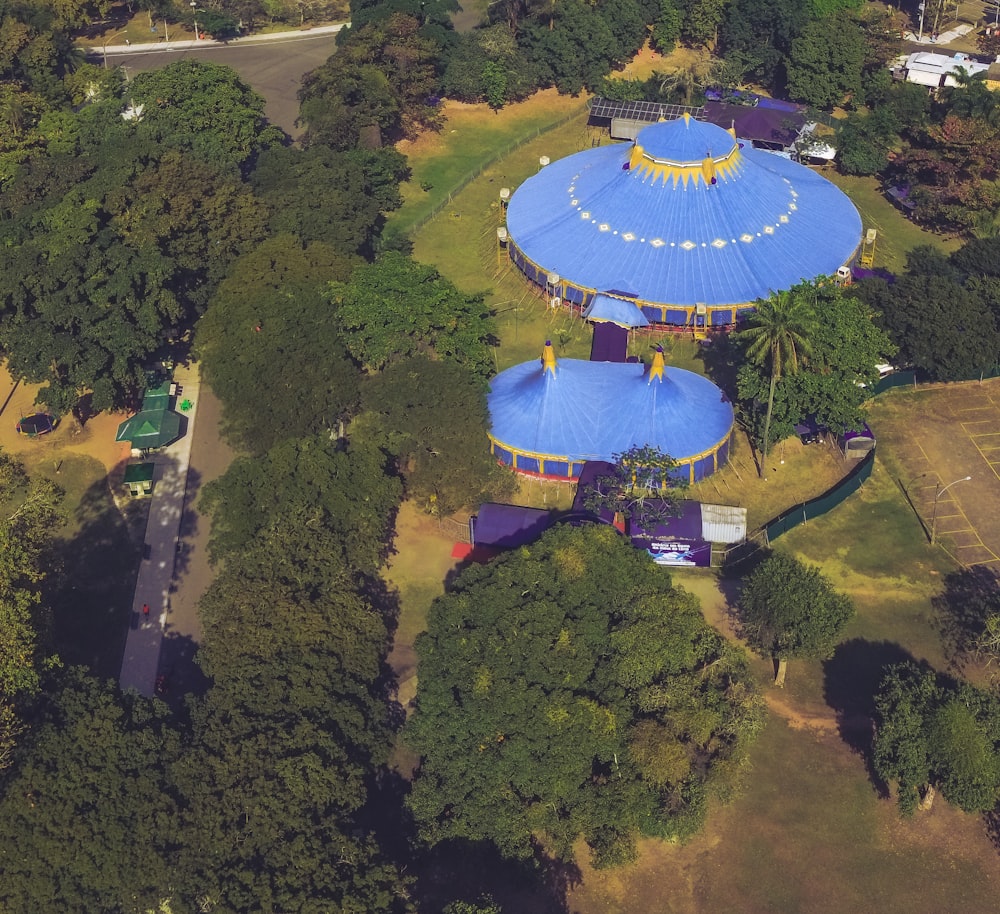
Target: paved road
{"points": [[210, 458], [274, 68]]}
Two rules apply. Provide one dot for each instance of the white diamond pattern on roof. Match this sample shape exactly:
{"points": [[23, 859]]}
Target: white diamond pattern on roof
{"points": [[821, 227]]}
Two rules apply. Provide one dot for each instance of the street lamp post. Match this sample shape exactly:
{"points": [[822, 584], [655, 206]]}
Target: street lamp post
{"points": [[194, 9], [937, 495], [921, 7], [107, 41]]}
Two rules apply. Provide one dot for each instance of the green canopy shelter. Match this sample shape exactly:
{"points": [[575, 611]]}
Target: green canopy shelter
{"points": [[150, 429], [157, 397], [139, 478]]}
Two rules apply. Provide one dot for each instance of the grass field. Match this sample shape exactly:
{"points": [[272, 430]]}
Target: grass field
{"points": [[473, 137], [897, 235]]}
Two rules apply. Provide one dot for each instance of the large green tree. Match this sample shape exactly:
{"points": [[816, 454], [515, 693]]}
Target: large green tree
{"points": [[95, 276], [846, 345], [566, 690], [931, 735], [204, 108], [432, 416], [943, 315], [270, 350], [381, 77], [396, 307], [337, 198], [88, 820], [29, 514], [825, 61], [778, 337], [314, 482], [791, 610], [287, 741]]}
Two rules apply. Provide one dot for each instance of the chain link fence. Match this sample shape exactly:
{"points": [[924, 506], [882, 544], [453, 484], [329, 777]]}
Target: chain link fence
{"points": [[471, 176]]}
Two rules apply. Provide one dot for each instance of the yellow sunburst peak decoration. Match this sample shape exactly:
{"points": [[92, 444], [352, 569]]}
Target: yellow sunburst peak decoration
{"points": [[656, 369], [707, 170], [549, 358]]}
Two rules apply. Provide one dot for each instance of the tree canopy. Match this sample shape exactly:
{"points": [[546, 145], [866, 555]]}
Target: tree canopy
{"points": [[395, 307], [311, 481], [846, 344], [569, 689], [270, 350], [933, 734], [791, 610], [88, 821], [205, 109], [29, 513], [942, 312], [432, 416]]}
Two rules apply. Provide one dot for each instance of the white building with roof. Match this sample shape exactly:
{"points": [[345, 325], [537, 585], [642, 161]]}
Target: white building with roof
{"points": [[937, 70]]}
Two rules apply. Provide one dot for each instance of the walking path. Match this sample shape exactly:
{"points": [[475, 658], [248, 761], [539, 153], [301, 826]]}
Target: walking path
{"points": [[156, 572], [299, 34], [945, 38]]}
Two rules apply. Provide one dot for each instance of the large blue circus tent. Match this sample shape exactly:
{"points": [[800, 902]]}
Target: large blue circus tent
{"points": [[686, 221], [550, 417]]}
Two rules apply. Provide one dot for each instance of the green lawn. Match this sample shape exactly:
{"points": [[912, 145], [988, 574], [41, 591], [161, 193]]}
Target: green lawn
{"points": [[897, 235], [472, 139]]}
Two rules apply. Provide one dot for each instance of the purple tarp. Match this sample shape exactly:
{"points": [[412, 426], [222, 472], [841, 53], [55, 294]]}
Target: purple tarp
{"points": [[610, 343], [507, 526]]}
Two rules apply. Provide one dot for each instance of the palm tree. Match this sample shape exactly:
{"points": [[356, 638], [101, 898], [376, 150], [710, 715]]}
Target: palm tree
{"points": [[779, 337]]}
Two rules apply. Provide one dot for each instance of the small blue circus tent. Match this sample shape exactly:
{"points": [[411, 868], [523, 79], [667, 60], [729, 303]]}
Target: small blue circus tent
{"points": [[550, 418], [698, 224]]}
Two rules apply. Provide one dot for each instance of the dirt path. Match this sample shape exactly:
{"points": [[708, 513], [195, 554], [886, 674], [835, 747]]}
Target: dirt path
{"points": [[96, 439]]}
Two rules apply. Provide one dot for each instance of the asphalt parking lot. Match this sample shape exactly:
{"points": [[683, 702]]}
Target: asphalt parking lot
{"points": [[274, 68]]}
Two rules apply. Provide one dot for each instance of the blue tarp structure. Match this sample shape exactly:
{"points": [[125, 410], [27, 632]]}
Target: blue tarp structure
{"points": [[616, 311], [554, 421], [688, 216]]}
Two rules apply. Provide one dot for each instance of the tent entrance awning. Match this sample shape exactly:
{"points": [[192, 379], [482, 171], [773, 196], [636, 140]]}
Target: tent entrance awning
{"points": [[616, 311]]}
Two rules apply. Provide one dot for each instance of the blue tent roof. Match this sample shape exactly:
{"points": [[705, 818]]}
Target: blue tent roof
{"points": [[686, 216], [616, 311], [595, 410]]}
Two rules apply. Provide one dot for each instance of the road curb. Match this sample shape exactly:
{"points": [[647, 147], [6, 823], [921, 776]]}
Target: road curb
{"points": [[117, 50]]}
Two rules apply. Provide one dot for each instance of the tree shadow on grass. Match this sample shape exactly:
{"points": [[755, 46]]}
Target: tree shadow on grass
{"points": [[460, 870], [90, 584], [969, 597], [851, 678]]}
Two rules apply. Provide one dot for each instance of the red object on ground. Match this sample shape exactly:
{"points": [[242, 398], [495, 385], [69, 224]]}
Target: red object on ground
{"points": [[145, 609], [466, 552]]}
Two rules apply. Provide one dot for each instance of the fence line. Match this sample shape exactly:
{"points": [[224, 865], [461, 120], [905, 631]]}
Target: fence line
{"points": [[471, 176]]}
